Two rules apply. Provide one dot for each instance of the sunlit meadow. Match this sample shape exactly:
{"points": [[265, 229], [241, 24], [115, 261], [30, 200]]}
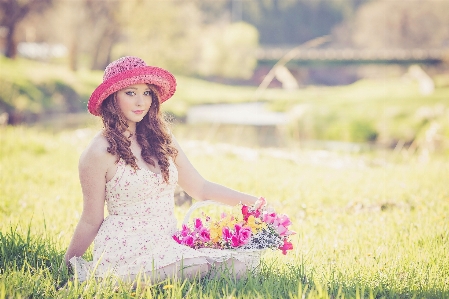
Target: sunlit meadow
{"points": [[368, 225]]}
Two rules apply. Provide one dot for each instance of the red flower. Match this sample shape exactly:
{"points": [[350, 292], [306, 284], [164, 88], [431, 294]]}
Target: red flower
{"points": [[286, 246], [245, 212]]}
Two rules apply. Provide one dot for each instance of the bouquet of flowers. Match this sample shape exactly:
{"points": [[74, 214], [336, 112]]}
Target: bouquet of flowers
{"points": [[253, 227]]}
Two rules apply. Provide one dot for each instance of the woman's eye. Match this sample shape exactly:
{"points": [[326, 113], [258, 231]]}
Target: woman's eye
{"points": [[130, 93], [147, 93]]}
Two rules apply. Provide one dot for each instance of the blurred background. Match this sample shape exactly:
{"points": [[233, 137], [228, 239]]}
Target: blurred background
{"points": [[339, 74]]}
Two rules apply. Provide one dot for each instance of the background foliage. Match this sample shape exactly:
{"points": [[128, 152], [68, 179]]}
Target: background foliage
{"points": [[384, 112]]}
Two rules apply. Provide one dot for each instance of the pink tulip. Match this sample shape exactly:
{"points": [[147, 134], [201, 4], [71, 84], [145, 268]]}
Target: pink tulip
{"points": [[282, 230], [241, 235], [269, 217], [235, 242], [198, 223], [237, 229], [188, 241], [284, 220], [245, 235], [185, 230], [175, 237], [226, 233], [204, 234]]}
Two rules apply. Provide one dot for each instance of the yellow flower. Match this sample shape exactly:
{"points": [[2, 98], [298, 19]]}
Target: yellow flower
{"points": [[168, 286], [215, 233], [254, 224]]}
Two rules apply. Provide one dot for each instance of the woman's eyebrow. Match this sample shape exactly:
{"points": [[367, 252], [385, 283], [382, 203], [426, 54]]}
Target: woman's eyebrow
{"points": [[135, 88]]}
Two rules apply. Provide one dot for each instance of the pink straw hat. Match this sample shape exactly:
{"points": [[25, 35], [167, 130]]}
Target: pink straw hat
{"points": [[127, 71]]}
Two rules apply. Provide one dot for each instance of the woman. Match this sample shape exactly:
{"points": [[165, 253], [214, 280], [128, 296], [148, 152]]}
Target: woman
{"points": [[133, 165]]}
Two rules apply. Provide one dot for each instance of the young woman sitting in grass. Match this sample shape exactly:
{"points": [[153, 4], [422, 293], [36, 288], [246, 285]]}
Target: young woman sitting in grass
{"points": [[133, 164]]}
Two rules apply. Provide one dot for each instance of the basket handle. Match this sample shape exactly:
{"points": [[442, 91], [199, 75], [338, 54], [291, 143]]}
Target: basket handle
{"points": [[200, 204]]}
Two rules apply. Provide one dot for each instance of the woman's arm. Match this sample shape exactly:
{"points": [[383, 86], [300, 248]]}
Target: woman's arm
{"points": [[199, 188], [93, 166]]}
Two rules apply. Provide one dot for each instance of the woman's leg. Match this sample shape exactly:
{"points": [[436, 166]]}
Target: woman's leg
{"points": [[185, 269]]}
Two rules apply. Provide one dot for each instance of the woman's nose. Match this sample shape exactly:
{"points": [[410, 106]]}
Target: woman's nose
{"points": [[139, 100]]}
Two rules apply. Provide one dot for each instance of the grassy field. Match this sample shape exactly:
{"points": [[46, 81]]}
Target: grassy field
{"points": [[369, 226]]}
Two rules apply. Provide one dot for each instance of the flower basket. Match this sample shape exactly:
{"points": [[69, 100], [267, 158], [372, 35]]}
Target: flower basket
{"points": [[244, 234], [251, 257]]}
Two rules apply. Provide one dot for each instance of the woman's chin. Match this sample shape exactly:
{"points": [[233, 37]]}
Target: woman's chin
{"points": [[136, 118]]}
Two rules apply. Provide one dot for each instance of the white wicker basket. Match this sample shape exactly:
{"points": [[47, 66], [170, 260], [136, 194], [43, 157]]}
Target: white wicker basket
{"points": [[251, 257]]}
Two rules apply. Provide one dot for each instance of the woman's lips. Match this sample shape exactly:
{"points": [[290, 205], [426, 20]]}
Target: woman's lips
{"points": [[138, 111]]}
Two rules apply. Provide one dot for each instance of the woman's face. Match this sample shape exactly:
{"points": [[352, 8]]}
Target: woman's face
{"points": [[134, 101]]}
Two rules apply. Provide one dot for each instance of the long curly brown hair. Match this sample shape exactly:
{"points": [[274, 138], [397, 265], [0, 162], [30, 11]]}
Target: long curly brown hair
{"points": [[152, 134]]}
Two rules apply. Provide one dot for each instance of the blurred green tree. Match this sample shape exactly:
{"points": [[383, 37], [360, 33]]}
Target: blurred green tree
{"points": [[163, 33], [89, 34], [282, 21], [227, 51], [291, 21], [105, 23], [12, 12], [399, 24]]}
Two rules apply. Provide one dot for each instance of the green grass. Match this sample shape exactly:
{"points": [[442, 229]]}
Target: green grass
{"points": [[375, 227]]}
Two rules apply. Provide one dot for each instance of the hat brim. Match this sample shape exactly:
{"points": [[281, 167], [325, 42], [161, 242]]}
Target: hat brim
{"points": [[164, 81]]}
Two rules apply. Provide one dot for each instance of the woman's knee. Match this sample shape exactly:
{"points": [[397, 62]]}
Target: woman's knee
{"points": [[195, 270], [187, 268]]}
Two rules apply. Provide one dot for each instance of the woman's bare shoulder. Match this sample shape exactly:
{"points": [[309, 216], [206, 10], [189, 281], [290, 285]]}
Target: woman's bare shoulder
{"points": [[96, 153]]}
